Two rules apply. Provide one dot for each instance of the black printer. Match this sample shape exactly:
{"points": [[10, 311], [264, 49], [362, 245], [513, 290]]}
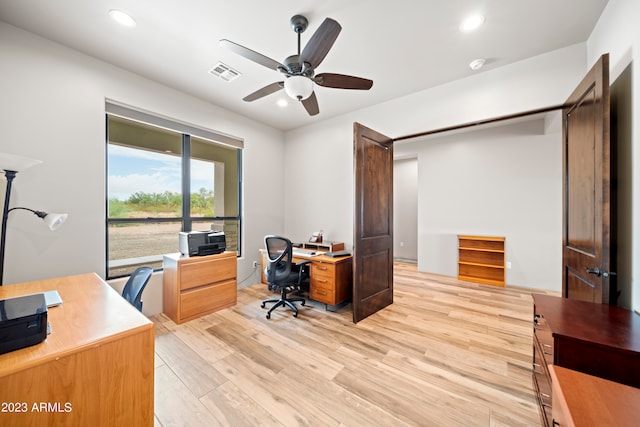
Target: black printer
{"points": [[23, 322], [202, 242]]}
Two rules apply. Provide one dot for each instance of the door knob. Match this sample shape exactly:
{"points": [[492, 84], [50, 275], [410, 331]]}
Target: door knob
{"points": [[595, 271]]}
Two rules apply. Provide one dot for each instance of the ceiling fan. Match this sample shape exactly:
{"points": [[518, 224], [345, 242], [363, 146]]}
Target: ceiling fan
{"points": [[299, 69]]}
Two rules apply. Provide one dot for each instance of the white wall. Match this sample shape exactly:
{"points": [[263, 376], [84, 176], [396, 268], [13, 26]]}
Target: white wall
{"points": [[617, 32], [537, 82], [53, 110], [501, 181], [405, 208]]}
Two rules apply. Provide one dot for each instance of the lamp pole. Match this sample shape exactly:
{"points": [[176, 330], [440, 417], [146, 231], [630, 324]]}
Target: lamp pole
{"points": [[10, 175]]}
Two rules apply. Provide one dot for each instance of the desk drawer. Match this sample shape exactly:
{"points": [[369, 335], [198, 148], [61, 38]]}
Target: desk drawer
{"points": [[205, 300], [324, 270], [322, 293], [544, 337], [205, 272]]}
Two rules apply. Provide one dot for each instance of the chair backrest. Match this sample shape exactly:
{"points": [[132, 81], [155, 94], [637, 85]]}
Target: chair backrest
{"points": [[132, 291], [280, 254]]}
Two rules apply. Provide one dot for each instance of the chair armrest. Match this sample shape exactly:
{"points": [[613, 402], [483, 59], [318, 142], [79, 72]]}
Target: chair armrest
{"points": [[301, 268]]}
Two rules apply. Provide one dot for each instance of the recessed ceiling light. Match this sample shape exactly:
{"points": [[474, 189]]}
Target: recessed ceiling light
{"points": [[282, 103], [122, 18], [476, 64], [471, 23]]}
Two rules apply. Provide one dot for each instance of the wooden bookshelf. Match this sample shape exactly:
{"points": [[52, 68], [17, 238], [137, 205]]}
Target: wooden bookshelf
{"points": [[481, 259]]}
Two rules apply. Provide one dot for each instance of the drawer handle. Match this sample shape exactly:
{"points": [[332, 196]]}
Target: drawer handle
{"points": [[322, 280], [322, 268], [321, 293]]}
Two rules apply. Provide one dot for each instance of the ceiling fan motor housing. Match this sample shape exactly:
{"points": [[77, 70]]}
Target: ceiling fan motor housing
{"points": [[299, 23]]}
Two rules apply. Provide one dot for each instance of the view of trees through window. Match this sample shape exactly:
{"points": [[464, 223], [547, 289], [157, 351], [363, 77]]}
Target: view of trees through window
{"points": [[145, 200]]}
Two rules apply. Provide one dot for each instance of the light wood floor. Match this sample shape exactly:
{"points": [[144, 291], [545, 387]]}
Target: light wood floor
{"points": [[445, 353]]}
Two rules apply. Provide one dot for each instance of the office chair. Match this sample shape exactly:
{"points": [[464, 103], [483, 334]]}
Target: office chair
{"points": [[132, 291], [281, 273]]}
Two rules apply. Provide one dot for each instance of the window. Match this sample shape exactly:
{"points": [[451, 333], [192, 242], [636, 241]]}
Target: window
{"points": [[161, 181]]}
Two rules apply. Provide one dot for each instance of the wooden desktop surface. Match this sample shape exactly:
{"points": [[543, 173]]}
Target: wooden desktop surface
{"points": [[95, 368], [584, 400]]}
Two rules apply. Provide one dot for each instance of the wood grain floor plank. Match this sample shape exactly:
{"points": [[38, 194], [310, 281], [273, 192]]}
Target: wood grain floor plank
{"points": [[198, 375], [445, 353], [231, 407], [175, 404]]}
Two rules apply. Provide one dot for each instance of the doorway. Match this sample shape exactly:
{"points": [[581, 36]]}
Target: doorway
{"points": [[405, 208]]}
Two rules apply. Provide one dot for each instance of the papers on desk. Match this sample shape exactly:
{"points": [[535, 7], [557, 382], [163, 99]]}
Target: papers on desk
{"points": [[305, 252], [52, 298]]}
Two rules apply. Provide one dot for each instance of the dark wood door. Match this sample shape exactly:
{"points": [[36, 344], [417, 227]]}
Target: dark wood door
{"points": [[373, 222], [586, 190]]}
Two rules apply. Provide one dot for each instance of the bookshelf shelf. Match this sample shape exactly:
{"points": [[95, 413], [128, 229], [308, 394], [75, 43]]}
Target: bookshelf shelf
{"points": [[481, 259]]}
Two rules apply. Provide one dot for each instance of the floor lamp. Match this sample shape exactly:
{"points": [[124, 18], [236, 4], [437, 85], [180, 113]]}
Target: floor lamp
{"points": [[12, 164]]}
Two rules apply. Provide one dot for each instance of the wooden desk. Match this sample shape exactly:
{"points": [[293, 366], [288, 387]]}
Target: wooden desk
{"points": [[331, 278], [95, 368], [596, 339], [584, 400]]}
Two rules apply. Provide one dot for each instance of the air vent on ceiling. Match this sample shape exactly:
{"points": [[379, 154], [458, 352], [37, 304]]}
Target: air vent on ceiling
{"points": [[225, 72]]}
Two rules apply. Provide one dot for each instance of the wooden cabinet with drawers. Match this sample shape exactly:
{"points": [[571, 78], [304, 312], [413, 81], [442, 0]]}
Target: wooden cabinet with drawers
{"points": [[330, 279], [196, 286], [596, 339]]}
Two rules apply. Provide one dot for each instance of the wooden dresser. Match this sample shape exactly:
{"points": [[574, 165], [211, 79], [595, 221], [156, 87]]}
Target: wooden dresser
{"points": [[584, 400], [196, 286], [596, 339]]}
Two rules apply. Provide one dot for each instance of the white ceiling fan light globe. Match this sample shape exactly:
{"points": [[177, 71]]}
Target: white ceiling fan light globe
{"points": [[298, 87]]}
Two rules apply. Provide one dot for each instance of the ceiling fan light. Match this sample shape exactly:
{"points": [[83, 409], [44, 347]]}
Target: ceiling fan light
{"points": [[298, 87]]}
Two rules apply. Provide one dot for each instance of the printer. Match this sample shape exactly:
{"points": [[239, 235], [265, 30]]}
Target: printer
{"points": [[23, 322], [208, 242]]}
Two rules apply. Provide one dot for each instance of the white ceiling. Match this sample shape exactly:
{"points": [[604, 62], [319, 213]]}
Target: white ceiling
{"points": [[404, 46]]}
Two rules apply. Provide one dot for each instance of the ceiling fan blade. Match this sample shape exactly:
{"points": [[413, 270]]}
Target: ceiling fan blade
{"points": [[252, 55], [320, 43], [342, 81], [267, 90], [311, 104]]}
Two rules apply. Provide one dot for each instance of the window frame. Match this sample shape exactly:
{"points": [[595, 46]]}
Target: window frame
{"points": [[185, 220]]}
